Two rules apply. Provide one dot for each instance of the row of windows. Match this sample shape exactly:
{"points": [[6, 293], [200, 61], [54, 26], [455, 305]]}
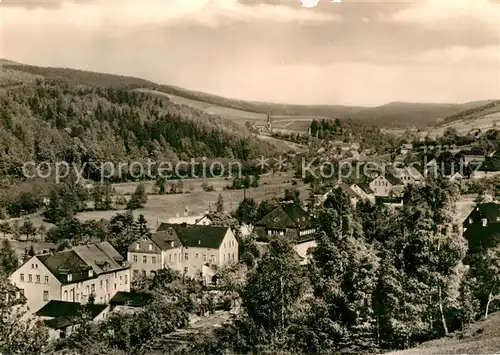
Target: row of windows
{"points": [[229, 244], [37, 278], [228, 256], [145, 259], [381, 183], [138, 246]]}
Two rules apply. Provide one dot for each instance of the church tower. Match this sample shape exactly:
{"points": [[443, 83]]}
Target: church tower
{"points": [[269, 121]]}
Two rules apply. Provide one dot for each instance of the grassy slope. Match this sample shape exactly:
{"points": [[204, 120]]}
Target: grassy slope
{"points": [[389, 115], [482, 338]]}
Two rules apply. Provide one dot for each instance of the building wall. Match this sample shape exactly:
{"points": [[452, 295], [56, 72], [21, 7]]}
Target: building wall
{"points": [[172, 258], [381, 187], [33, 290], [104, 287], [144, 263], [228, 251]]}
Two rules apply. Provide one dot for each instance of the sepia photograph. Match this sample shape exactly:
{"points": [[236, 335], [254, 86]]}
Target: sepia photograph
{"points": [[236, 177]]}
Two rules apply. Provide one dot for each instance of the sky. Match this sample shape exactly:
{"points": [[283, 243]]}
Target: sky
{"points": [[349, 53]]}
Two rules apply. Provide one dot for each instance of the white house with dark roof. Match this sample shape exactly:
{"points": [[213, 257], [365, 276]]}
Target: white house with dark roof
{"points": [[183, 247], [73, 275]]}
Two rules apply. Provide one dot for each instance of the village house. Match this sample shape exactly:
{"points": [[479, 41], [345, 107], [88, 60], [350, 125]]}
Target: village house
{"points": [[62, 318], [292, 221], [481, 228], [363, 191], [408, 175], [129, 302], [73, 275], [183, 247], [386, 185], [203, 219]]}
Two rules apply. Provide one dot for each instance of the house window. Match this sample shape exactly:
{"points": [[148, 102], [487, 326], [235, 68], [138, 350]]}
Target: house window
{"points": [[46, 279], [45, 295], [37, 279], [136, 273], [224, 259], [137, 246], [233, 257], [126, 279], [196, 256], [87, 289], [212, 258], [77, 297], [150, 246], [100, 284], [186, 256], [65, 297], [115, 285], [204, 257], [170, 257], [32, 266], [186, 270], [22, 277], [30, 278], [70, 277], [135, 258], [484, 221], [144, 273], [144, 259], [92, 288], [153, 260]]}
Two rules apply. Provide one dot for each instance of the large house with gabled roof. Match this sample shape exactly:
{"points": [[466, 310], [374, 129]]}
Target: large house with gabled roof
{"points": [[73, 275], [386, 185], [292, 221], [189, 249]]}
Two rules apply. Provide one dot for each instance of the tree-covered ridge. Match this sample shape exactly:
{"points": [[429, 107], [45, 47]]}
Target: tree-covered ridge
{"points": [[52, 121]]}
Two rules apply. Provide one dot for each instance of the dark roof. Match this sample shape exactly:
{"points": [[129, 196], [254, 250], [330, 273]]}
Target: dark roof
{"points": [[480, 238], [57, 309], [66, 262], [131, 299], [490, 164], [102, 257], [164, 238], [393, 179], [288, 215], [200, 236], [388, 199], [490, 211], [98, 257], [363, 186]]}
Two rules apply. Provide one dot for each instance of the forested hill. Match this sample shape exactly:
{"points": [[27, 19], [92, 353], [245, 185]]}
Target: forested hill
{"points": [[77, 120]]}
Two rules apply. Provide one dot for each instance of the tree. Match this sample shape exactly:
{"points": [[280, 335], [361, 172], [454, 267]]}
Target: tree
{"points": [[489, 276], [27, 337], [26, 256], [5, 228], [28, 229], [31, 251], [160, 184], [138, 198], [142, 226], [220, 204], [245, 212], [292, 195], [8, 258]]}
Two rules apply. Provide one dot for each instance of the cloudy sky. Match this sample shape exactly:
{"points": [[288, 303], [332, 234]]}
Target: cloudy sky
{"points": [[353, 52]]}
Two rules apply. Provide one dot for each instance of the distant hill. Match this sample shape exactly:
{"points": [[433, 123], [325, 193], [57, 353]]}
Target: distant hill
{"points": [[391, 115]]}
